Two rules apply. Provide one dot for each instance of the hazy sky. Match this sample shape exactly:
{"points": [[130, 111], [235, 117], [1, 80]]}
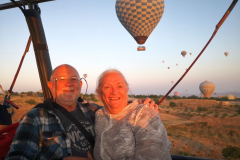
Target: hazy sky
{"points": [[89, 36]]}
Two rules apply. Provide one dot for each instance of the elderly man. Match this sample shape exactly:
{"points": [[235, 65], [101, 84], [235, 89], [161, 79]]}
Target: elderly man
{"points": [[46, 133]]}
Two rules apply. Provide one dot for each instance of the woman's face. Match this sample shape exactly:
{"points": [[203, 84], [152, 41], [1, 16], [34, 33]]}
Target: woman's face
{"points": [[113, 92]]}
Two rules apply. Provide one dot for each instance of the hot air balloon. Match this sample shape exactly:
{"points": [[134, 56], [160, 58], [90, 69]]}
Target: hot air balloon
{"points": [[139, 17], [230, 97], [184, 53], [176, 64], [207, 88], [190, 53], [172, 81], [162, 61], [168, 67], [85, 75], [176, 93], [226, 54]]}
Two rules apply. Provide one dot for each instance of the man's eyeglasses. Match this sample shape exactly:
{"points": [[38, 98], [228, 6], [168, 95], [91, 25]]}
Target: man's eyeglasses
{"points": [[65, 79]]}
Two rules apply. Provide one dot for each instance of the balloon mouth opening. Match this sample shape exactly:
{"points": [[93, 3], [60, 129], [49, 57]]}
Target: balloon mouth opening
{"points": [[141, 39]]}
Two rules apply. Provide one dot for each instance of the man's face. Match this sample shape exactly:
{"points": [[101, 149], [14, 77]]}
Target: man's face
{"points": [[65, 92], [113, 92]]}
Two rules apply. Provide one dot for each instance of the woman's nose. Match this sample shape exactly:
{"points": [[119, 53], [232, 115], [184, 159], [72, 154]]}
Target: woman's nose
{"points": [[114, 90]]}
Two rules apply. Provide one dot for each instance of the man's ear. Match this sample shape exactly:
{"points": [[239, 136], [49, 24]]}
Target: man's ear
{"points": [[49, 83], [81, 84]]}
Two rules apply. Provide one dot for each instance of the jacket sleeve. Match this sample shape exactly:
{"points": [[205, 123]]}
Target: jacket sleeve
{"points": [[151, 136], [26, 140]]}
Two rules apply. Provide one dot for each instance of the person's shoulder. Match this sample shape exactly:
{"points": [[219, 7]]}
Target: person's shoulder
{"points": [[141, 108], [38, 109]]}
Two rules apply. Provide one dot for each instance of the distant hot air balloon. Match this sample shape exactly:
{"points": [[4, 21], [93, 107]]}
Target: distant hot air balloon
{"points": [[168, 67], [190, 53], [139, 17], [85, 75], [230, 97], [184, 53], [172, 81], [207, 88], [162, 61], [176, 64], [226, 54], [176, 93]]}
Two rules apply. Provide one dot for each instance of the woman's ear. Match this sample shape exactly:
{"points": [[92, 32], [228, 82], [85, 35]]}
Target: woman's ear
{"points": [[99, 97]]}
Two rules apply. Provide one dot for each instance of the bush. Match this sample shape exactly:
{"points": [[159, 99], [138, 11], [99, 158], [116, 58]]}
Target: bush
{"points": [[231, 152], [31, 101], [172, 104], [30, 93], [224, 115], [199, 109]]}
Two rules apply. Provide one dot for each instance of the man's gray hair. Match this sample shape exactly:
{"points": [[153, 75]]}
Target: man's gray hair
{"points": [[100, 78]]}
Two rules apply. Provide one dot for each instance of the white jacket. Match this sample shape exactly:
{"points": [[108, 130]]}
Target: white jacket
{"points": [[135, 133]]}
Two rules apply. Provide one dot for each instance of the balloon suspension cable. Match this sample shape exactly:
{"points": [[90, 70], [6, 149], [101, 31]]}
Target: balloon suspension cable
{"points": [[214, 33], [19, 67], [86, 87]]}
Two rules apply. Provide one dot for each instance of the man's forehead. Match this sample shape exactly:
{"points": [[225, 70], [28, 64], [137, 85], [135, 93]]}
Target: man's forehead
{"points": [[65, 70]]}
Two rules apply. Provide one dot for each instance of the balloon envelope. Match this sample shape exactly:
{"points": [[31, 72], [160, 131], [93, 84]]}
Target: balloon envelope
{"points": [[163, 61], [226, 54], [139, 17], [230, 97], [168, 67], [184, 53], [190, 53], [176, 93], [85, 75], [207, 88]]}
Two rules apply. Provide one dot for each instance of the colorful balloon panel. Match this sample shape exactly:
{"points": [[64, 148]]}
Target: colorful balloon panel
{"points": [[139, 17]]}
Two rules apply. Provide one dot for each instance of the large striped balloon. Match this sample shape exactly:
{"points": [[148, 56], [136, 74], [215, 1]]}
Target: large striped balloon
{"points": [[139, 17], [207, 88]]}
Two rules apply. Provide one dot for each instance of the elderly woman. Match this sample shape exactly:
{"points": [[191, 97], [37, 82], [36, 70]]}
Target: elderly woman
{"points": [[127, 131]]}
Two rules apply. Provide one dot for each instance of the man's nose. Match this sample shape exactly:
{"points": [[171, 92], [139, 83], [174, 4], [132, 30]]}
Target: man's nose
{"points": [[68, 82]]}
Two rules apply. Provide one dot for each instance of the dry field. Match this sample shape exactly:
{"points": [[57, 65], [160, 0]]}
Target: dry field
{"points": [[191, 132]]}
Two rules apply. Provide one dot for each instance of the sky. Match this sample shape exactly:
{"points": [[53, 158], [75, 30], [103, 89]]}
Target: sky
{"points": [[89, 36]]}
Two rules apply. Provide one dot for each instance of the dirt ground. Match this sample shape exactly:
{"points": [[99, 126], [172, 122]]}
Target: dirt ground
{"points": [[192, 131]]}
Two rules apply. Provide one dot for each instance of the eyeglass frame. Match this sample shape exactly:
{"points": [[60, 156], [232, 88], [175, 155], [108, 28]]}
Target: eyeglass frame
{"points": [[70, 78]]}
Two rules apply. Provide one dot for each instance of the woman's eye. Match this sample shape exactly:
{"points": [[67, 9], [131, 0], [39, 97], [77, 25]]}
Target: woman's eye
{"points": [[106, 87]]}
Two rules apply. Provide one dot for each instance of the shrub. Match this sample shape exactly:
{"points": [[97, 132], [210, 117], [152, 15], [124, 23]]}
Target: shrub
{"points": [[231, 152], [169, 134], [172, 104], [224, 115], [31, 101], [30, 93], [200, 109], [181, 104], [167, 111]]}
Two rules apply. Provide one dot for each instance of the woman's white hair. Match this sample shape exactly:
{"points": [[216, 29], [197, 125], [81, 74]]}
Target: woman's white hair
{"points": [[100, 78]]}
